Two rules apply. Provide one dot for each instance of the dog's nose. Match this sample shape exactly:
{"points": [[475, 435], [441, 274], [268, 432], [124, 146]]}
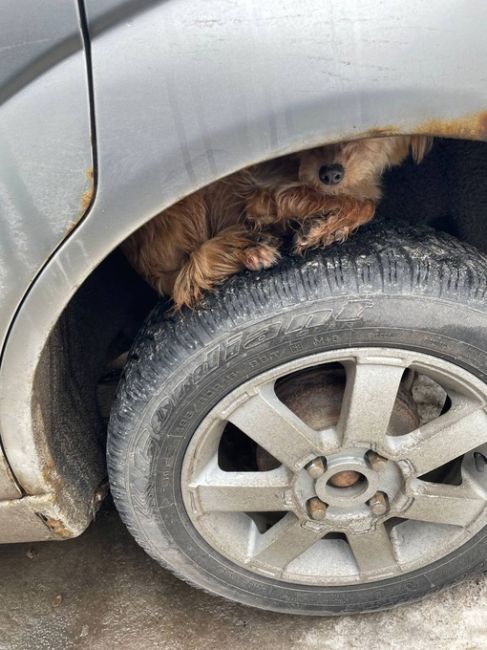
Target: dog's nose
{"points": [[331, 174]]}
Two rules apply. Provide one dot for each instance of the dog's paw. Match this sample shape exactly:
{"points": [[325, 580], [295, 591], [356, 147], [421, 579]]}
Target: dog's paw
{"points": [[261, 256], [335, 226], [320, 232], [312, 234]]}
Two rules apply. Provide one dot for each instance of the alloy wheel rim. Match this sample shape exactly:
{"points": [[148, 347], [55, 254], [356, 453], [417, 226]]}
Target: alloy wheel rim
{"points": [[349, 503]]}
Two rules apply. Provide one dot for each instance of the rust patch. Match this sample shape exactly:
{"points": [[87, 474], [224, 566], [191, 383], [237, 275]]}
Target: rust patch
{"points": [[381, 131], [469, 127], [49, 473], [56, 526], [88, 194], [86, 199]]}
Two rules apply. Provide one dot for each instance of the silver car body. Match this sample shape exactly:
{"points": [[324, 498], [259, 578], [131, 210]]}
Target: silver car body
{"points": [[114, 110]]}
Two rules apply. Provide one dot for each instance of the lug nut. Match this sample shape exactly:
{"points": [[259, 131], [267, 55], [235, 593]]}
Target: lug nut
{"points": [[316, 509], [316, 467], [377, 462], [378, 504]]}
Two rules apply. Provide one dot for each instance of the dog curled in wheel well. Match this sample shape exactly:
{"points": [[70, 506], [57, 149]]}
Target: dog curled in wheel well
{"points": [[241, 221]]}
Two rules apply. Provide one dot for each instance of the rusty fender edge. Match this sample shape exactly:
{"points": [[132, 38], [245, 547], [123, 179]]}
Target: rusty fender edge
{"points": [[472, 126], [23, 519], [468, 127]]}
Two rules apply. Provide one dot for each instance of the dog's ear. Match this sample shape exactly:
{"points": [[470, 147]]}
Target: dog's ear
{"points": [[420, 146]]}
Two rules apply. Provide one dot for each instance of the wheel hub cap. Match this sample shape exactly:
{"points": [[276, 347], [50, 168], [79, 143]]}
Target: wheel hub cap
{"points": [[348, 481]]}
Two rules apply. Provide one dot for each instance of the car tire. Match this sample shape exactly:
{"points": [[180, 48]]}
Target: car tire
{"points": [[412, 294]]}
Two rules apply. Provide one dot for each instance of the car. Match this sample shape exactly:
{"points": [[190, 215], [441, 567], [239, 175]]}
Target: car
{"points": [[313, 438]]}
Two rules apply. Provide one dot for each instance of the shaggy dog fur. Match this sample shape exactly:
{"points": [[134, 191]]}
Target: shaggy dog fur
{"points": [[238, 222]]}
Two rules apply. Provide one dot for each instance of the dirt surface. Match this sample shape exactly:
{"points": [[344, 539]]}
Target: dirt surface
{"points": [[101, 591]]}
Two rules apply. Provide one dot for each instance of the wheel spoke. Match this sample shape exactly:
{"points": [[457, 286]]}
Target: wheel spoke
{"points": [[369, 398], [443, 504], [447, 437], [266, 420], [244, 491], [373, 551], [285, 541]]}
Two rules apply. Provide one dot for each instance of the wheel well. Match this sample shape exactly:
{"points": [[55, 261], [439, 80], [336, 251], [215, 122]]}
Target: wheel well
{"points": [[69, 401]]}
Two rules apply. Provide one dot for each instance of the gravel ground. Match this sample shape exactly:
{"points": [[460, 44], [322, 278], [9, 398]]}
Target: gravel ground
{"points": [[101, 591]]}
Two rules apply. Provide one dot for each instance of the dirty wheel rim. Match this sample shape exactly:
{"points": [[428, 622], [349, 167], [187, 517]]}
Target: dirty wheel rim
{"points": [[356, 500]]}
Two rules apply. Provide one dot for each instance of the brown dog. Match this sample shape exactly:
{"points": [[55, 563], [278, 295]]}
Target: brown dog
{"points": [[237, 222]]}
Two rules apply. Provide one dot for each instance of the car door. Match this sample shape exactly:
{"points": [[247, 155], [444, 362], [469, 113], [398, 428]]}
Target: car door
{"points": [[46, 161]]}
